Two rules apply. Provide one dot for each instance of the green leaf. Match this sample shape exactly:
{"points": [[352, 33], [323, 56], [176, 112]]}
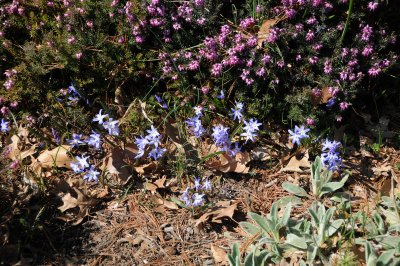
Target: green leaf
{"points": [[249, 228], [311, 253], [249, 260], [330, 187], [296, 241], [385, 258], [180, 203], [370, 256], [234, 257], [334, 226], [294, 189], [286, 215], [261, 221], [289, 199]]}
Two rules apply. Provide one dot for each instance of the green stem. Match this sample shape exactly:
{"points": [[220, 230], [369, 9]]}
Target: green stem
{"points": [[346, 27]]}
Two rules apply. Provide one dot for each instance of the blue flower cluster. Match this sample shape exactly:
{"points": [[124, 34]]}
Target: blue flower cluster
{"points": [[81, 164], [237, 112], [298, 134], [330, 156], [153, 138], [222, 140], [194, 196], [161, 102], [107, 122], [194, 123], [250, 129], [4, 126]]}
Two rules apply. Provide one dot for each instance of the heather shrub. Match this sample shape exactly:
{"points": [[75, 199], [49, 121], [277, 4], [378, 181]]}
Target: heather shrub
{"points": [[300, 60]]}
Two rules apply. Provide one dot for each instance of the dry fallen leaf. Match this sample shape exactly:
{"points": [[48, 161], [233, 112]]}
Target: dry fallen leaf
{"points": [[169, 204], [223, 162], [322, 98], [264, 30], [217, 214], [219, 254], [295, 163], [382, 169], [57, 157], [76, 199], [116, 163]]}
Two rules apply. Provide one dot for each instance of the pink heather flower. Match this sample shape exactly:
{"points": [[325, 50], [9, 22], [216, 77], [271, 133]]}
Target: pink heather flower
{"points": [[366, 33], [338, 118], [139, 39], [345, 52], [333, 91], [4, 110], [374, 71], [280, 63], [205, 90], [9, 84], [14, 104], [176, 26], [310, 121], [156, 22], [310, 36], [199, 3], [354, 52], [252, 41], [216, 69], [14, 164], [89, 23], [266, 59], [343, 74], [384, 63], [343, 106], [299, 27], [193, 65], [247, 22], [353, 62], [327, 67], [71, 40], [260, 72], [78, 55], [290, 12], [273, 35], [298, 57], [372, 6], [367, 50], [114, 3], [201, 21], [50, 4], [317, 92], [311, 21], [317, 47], [313, 60], [121, 40]]}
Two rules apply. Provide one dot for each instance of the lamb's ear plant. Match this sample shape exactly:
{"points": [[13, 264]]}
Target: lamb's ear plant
{"points": [[270, 231], [321, 182], [316, 233]]}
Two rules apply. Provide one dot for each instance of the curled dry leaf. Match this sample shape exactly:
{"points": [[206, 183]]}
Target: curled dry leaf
{"points": [[73, 199], [322, 98], [264, 30], [117, 162], [297, 161], [223, 162], [219, 254], [217, 213], [57, 157]]}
